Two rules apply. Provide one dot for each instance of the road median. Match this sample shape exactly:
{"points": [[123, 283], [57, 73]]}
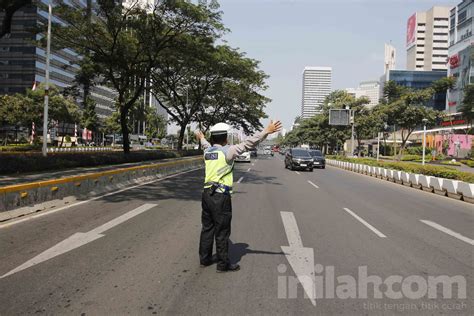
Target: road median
{"points": [[22, 199]]}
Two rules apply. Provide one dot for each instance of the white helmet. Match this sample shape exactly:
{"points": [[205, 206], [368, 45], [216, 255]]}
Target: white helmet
{"points": [[220, 128]]}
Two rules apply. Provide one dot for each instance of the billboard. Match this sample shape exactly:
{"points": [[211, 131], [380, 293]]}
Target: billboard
{"points": [[339, 117], [411, 31]]}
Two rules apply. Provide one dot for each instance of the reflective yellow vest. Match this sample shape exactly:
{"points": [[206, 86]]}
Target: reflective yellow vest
{"points": [[218, 171]]}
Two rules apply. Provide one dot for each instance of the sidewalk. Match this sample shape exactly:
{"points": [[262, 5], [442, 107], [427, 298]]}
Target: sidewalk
{"points": [[6, 180]]}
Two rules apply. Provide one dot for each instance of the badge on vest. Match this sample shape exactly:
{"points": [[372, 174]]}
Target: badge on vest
{"points": [[210, 156]]}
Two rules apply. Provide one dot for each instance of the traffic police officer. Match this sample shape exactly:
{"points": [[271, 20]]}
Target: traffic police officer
{"points": [[216, 197]]}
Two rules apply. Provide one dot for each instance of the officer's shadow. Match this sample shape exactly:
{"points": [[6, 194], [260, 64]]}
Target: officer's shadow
{"points": [[238, 250]]}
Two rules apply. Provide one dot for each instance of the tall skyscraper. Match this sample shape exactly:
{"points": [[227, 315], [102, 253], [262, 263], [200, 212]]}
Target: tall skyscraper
{"points": [[316, 87], [461, 52], [427, 39]]}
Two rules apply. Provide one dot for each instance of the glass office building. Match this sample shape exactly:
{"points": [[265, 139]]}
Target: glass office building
{"points": [[419, 80], [22, 63]]}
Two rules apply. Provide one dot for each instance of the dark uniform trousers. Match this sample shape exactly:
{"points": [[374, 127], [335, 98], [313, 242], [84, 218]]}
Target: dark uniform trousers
{"points": [[216, 219]]}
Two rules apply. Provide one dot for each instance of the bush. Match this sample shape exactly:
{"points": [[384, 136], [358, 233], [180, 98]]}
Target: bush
{"points": [[417, 150], [20, 147], [11, 163], [450, 163], [410, 157], [427, 170], [469, 163]]}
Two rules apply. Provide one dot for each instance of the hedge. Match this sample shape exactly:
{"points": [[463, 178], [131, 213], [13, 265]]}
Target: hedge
{"points": [[427, 170], [33, 162], [470, 163]]}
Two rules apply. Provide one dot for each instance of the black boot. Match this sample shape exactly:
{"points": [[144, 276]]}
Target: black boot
{"points": [[230, 268]]}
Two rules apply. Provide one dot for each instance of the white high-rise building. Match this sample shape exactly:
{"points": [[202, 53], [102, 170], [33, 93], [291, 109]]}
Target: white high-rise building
{"points": [[368, 89], [390, 58], [316, 87], [427, 39]]}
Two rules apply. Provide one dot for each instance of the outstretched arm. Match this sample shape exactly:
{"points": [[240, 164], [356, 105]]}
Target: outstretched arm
{"points": [[252, 141], [200, 138]]}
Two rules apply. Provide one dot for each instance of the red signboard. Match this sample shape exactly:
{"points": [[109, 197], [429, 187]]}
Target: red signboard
{"points": [[455, 122], [411, 30], [454, 61]]}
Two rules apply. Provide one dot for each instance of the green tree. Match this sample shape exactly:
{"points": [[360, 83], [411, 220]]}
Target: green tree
{"points": [[155, 125], [467, 107], [125, 43]]}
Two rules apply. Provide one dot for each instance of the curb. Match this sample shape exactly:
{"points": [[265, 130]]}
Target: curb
{"points": [[82, 186]]}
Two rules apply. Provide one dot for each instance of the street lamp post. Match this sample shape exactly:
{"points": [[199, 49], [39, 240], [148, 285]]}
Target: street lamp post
{"points": [[46, 84], [424, 140], [352, 113]]}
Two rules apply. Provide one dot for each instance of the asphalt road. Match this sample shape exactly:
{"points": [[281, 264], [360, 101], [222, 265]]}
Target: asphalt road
{"points": [[136, 252]]}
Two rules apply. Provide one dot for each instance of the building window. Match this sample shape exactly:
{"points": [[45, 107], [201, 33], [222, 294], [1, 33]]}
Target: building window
{"points": [[420, 45], [421, 31], [421, 24], [440, 34], [420, 59], [441, 19], [440, 41]]}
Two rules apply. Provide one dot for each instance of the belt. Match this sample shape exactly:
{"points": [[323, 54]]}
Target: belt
{"points": [[218, 187]]}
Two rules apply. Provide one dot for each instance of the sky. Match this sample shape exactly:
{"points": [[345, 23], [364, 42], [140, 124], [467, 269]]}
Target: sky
{"points": [[347, 35]]}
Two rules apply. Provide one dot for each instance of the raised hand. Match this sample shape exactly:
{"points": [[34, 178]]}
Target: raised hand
{"points": [[273, 127]]}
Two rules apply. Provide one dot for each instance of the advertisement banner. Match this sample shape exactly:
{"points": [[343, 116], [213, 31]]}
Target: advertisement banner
{"points": [[411, 31]]}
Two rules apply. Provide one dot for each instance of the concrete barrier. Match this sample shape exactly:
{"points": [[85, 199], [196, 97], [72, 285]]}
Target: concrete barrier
{"points": [[397, 175], [467, 191], [437, 185], [451, 188], [415, 180], [406, 178], [27, 196], [425, 182]]}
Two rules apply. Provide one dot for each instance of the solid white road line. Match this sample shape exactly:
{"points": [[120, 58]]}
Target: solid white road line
{"points": [[314, 185], [372, 228], [79, 239], [448, 231], [291, 229], [13, 222], [300, 258], [240, 180], [297, 172]]}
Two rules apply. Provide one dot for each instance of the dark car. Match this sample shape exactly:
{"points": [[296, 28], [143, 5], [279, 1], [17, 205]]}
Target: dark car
{"points": [[318, 158], [298, 158], [253, 152]]}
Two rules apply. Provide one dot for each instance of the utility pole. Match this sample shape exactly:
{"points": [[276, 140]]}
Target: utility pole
{"points": [[424, 140], [46, 87]]}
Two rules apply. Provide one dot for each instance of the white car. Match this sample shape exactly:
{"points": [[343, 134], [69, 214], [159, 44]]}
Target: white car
{"points": [[244, 157]]}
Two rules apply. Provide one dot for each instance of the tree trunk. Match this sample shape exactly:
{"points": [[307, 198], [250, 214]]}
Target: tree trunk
{"points": [[125, 132], [182, 130]]}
